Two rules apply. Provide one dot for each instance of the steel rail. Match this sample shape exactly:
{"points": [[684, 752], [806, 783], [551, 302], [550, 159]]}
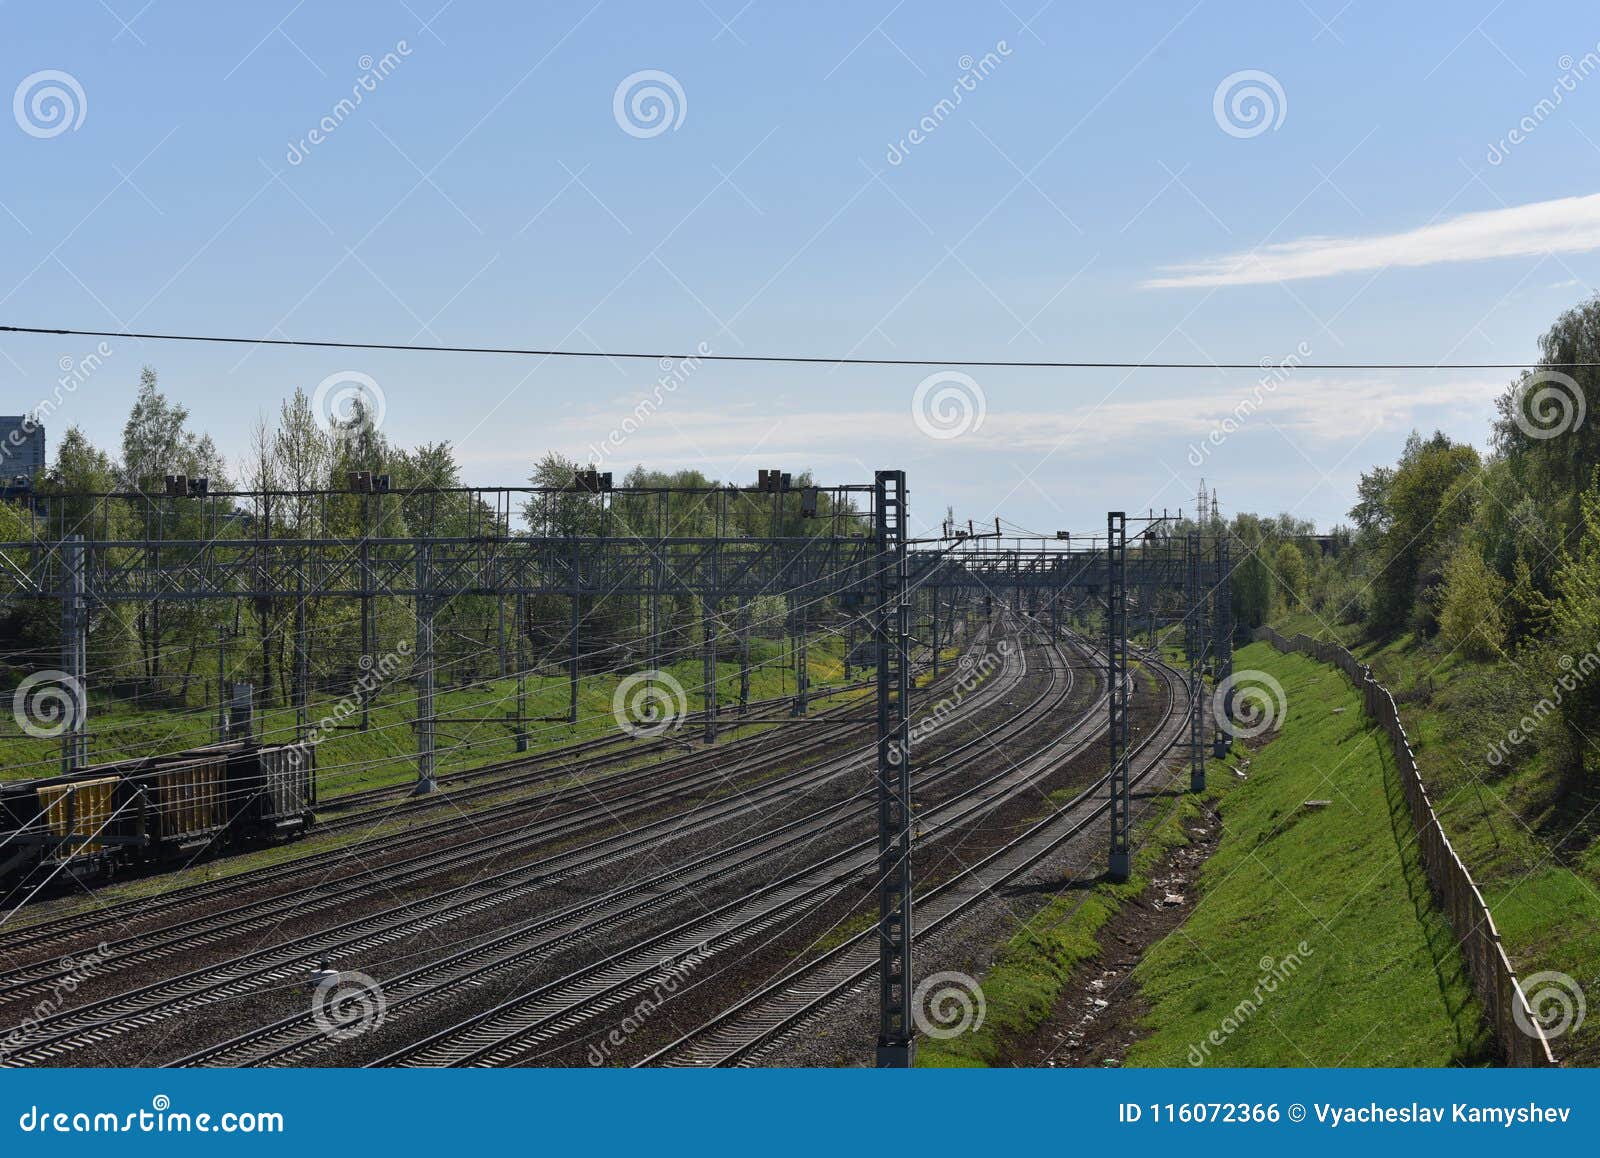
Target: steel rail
{"points": [[763, 1018], [292, 1036], [499, 1035], [50, 1038], [74, 927]]}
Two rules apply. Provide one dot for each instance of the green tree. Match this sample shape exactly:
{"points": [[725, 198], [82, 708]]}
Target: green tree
{"points": [[1416, 518], [1470, 616], [1289, 568], [1541, 426]]}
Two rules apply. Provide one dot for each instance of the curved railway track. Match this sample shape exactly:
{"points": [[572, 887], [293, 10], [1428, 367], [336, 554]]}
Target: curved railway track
{"points": [[743, 1032], [292, 1039], [607, 797], [55, 1038], [542, 767], [511, 1031]]}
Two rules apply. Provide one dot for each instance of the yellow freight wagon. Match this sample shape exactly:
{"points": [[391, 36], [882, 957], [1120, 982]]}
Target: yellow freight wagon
{"points": [[76, 811]]}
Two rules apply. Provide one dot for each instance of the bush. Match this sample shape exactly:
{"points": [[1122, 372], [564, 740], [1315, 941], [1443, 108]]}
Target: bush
{"points": [[1469, 614]]}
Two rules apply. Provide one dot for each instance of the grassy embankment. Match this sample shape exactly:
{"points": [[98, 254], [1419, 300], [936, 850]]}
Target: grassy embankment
{"points": [[1380, 981], [1527, 835]]}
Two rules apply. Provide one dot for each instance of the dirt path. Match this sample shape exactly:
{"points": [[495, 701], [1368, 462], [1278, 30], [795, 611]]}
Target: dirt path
{"points": [[1100, 1011]]}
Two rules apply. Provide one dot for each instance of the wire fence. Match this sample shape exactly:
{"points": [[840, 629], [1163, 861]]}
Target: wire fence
{"points": [[1517, 1032]]}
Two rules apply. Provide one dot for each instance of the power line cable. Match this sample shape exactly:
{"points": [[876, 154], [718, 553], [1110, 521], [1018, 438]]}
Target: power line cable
{"points": [[788, 359]]}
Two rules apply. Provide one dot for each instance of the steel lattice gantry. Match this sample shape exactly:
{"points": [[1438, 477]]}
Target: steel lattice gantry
{"points": [[891, 630], [226, 547], [1190, 569], [114, 571], [1117, 722]]}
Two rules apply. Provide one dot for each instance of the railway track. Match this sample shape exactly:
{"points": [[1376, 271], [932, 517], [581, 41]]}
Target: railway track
{"points": [[54, 1038], [614, 797], [292, 1039], [509, 1033], [492, 779], [746, 1031], [319, 896]]}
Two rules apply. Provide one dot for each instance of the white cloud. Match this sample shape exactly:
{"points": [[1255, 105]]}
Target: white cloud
{"points": [[1567, 225], [733, 442]]}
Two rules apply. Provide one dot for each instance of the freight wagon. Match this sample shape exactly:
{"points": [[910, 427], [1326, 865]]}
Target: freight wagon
{"points": [[156, 809]]}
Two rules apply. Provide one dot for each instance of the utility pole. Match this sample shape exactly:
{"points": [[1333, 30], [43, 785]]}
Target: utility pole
{"points": [[302, 659], [1222, 638], [224, 634], [1195, 648], [1117, 733], [522, 675], [572, 676], [891, 630], [802, 673], [368, 620], [708, 661], [74, 654], [426, 781], [744, 656]]}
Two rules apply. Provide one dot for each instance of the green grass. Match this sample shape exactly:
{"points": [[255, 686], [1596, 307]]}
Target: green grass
{"points": [[1507, 821], [1315, 941], [1379, 982], [1031, 969], [349, 759]]}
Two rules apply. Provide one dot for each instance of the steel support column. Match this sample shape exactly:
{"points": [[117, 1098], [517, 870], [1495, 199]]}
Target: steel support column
{"points": [[302, 660], [222, 682], [572, 661], [1117, 691], [74, 655], [424, 669], [1194, 643], [369, 625], [744, 656], [891, 629], [1222, 642], [522, 675], [708, 621], [802, 670]]}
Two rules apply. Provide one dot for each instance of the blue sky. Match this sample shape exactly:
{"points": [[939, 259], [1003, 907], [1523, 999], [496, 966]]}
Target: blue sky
{"points": [[1093, 195]]}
